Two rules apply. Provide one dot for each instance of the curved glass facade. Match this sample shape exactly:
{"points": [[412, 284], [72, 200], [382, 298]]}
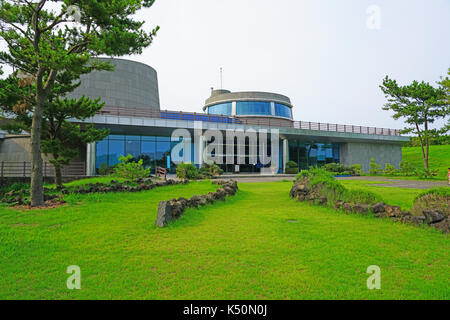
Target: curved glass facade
{"points": [[253, 108], [222, 109], [282, 110]]}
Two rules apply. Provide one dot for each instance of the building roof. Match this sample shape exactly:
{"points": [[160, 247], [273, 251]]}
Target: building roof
{"points": [[222, 96]]}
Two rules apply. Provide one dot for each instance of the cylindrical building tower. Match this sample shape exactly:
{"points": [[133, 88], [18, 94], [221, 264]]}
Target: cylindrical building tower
{"points": [[250, 105], [131, 85]]}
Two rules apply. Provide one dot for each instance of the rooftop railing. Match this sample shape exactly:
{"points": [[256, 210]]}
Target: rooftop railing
{"points": [[270, 122]]}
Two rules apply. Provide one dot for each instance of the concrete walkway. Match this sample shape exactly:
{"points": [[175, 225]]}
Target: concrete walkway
{"points": [[408, 184]]}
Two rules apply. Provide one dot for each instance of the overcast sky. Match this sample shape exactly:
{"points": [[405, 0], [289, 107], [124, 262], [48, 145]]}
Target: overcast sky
{"points": [[320, 53]]}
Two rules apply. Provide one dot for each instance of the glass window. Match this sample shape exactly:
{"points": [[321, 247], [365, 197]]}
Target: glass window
{"points": [[313, 154], [101, 153], [336, 157], [148, 150], [116, 137], [222, 109], [133, 146], [282, 110], [163, 152], [148, 138], [253, 108], [116, 149]]}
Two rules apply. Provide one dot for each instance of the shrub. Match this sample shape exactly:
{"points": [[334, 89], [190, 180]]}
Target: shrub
{"points": [[356, 169], [105, 170], [433, 199], [291, 170], [187, 171], [335, 167], [375, 168], [291, 164], [211, 170], [146, 161], [425, 174], [390, 169], [338, 168], [319, 175], [406, 168], [128, 169], [17, 186], [304, 174]]}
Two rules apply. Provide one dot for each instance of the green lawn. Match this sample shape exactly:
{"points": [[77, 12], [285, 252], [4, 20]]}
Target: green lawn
{"points": [[439, 158], [239, 249], [402, 197]]}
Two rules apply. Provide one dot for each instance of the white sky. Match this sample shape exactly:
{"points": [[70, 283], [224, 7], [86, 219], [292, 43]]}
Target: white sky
{"points": [[320, 53]]}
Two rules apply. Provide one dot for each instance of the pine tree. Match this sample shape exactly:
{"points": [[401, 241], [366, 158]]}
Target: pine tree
{"points": [[47, 40]]}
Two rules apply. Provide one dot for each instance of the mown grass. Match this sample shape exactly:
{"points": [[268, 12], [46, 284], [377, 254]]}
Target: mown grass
{"points": [[402, 197], [438, 159], [93, 180], [239, 249]]}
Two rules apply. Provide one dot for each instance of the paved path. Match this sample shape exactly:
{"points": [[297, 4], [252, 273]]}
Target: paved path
{"points": [[408, 184]]}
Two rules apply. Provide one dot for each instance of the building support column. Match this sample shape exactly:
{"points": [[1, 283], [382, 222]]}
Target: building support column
{"points": [[90, 159], [285, 154], [199, 144], [201, 150]]}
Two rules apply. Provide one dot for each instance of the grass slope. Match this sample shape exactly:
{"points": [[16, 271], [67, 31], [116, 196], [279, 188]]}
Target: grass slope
{"points": [[439, 158], [239, 249], [402, 197]]}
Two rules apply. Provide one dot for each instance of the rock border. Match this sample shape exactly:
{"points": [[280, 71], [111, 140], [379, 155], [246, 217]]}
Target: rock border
{"points": [[18, 198], [433, 218], [173, 209]]}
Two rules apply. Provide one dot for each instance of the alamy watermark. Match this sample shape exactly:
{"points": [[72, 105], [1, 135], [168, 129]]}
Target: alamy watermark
{"points": [[74, 12], [74, 280], [374, 280], [373, 21]]}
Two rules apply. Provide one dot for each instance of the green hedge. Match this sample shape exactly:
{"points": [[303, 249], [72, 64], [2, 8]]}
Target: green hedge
{"points": [[291, 170]]}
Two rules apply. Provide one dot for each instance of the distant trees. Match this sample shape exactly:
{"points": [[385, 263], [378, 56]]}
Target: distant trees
{"points": [[420, 105], [434, 140], [445, 83]]}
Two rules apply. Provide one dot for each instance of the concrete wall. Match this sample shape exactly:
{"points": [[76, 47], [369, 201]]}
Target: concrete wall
{"points": [[361, 153], [131, 84], [17, 148]]}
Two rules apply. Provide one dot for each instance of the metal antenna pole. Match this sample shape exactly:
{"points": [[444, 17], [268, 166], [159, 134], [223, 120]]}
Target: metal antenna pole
{"points": [[221, 79]]}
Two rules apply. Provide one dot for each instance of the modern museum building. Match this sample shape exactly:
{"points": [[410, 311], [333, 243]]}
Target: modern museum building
{"points": [[140, 127]]}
